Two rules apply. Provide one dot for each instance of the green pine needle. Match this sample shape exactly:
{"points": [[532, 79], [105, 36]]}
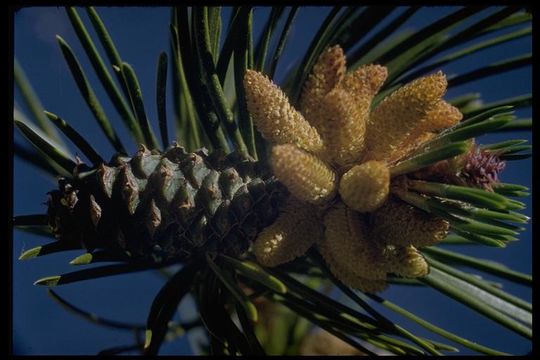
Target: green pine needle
{"points": [[256, 273], [83, 259], [33, 102], [161, 95], [231, 285], [471, 296], [429, 157], [48, 281], [137, 103], [46, 147], [488, 266], [89, 96], [76, 138], [472, 195], [101, 70]]}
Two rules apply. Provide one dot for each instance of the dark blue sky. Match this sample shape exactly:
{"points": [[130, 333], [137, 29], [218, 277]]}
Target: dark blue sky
{"points": [[140, 34]]}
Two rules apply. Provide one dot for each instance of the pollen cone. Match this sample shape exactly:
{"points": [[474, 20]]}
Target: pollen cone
{"points": [[364, 82], [343, 125], [307, 178], [290, 236], [347, 277], [407, 262], [395, 118], [440, 117], [274, 117], [346, 240], [365, 187], [400, 224], [327, 73]]}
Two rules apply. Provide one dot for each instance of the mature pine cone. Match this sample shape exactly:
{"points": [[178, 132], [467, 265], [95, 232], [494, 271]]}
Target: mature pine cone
{"points": [[166, 206]]}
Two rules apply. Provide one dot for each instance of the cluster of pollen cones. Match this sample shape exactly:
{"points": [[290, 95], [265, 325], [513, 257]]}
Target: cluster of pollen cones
{"points": [[334, 154]]}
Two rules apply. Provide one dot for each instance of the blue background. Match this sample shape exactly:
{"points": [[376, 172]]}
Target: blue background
{"points": [[40, 326]]}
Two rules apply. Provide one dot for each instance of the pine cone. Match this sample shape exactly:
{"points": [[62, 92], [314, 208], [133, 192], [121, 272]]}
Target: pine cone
{"points": [[167, 206]]}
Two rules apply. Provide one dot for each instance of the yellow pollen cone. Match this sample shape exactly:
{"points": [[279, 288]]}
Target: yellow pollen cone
{"points": [[346, 238], [364, 82], [396, 117], [348, 278], [274, 117], [307, 178], [407, 262], [343, 125], [398, 223], [327, 73], [365, 187], [290, 236]]}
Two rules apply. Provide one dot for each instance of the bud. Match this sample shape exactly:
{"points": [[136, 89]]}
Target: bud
{"points": [[480, 168], [476, 168]]}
